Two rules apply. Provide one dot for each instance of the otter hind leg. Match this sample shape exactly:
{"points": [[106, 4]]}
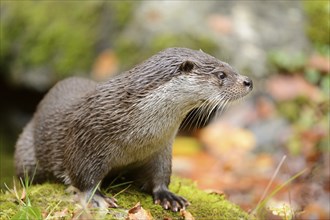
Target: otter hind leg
{"points": [[102, 201], [24, 157], [95, 198], [86, 178]]}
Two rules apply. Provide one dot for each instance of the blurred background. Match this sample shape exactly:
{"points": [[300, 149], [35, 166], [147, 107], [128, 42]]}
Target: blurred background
{"points": [[282, 45]]}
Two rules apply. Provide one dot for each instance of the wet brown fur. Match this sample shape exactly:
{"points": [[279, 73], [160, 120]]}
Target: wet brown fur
{"points": [[83, 131]]}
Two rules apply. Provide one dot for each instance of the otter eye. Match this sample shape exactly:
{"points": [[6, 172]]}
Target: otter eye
{"points": [[222, 75]]}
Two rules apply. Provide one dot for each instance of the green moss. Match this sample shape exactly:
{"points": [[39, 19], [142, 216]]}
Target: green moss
{"points": [[287, 62], [125, 11], [318, 13], [51, 198], [6, 169], [325, 84], [306, 116], [59, 37], [47, 198], [163, 40], [129, 51], [48, 33], [205, 205], [132, 52]]}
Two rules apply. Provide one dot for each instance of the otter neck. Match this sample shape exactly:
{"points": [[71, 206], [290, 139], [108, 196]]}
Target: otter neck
{"points": [[167, 106]]}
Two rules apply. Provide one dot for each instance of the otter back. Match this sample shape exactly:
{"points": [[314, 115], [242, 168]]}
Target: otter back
{"points": [[30, 155]]}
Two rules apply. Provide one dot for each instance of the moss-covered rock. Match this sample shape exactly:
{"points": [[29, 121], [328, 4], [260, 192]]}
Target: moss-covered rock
{"points": [[53, 39], [52, 201], [132, 51], [318, 13]]}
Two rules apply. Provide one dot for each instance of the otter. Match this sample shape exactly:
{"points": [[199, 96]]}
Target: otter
{"points": [[84, 132]]}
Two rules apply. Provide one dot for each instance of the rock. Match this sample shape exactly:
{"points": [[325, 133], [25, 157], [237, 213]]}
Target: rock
{"points": [[244, 31], [241, 33]]}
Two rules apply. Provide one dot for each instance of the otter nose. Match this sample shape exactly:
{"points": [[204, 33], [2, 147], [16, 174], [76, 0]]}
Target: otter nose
{"points": [[248, 83]]}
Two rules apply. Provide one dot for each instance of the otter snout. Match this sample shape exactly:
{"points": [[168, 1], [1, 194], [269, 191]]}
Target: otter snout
{"points": [[247, 82], [243, 86]]}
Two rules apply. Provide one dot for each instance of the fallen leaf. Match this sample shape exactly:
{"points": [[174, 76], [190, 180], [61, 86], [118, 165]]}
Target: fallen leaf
{"points": [[265, 108], [44, 214], [187, 215], [196, 167], [215, 192], [320, 63], [106, 65], [81, 215], [314, 211], [223, 138], [263, 163], [285, 88], [137, 213], [61, 214], [154, 16], [186, 146], [281, 209], [23, 196], [220, 24]]}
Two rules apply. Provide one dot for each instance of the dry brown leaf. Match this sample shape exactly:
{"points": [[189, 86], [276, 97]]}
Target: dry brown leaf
{"points": [[137, 213], [61, 214], [23, 196], [106, 65], [44, 214], [154, 16], [265, 108], [263, 163], [186, 215], [186, 146], [193, 164], [220, 24], [222, 138], [215, 192], [314, 211], [284, 88], [82, 215], [320, 63]]}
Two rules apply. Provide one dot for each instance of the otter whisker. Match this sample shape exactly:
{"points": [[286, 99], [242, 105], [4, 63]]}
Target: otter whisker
{"points": [[190, 117], [222, 108], [202, 119], [215, 103]]}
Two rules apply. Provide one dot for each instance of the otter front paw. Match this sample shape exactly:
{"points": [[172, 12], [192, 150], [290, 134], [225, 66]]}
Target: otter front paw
{"points": [[169, 200]]}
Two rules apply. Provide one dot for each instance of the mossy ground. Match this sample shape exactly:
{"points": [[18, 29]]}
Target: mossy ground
{"points": [[51, 200]]}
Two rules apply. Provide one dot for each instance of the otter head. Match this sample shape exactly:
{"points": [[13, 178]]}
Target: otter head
{"points": [[177, 80], [211, 82]]}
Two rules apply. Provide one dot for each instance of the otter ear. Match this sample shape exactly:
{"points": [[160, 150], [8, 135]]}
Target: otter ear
{"points": [[186, 66]]}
